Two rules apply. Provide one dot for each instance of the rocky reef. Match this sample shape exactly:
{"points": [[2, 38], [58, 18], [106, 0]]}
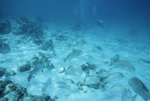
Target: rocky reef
{"points": [[2, 71], [5, 26], [4, 48], [10, 91], [24, 66], [87, 67], [26, 26]]}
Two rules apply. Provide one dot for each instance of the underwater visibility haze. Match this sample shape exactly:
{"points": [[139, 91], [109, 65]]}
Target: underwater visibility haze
{"points": [[74, 50]]}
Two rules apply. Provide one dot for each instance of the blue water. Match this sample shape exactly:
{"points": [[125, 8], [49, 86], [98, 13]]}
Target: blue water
{"points": [[40, 34], [123, 13]]}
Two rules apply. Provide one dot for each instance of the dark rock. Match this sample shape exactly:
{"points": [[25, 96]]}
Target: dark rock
{"points": [[92, 81], [44, 97], [3, 84], [5, 26], [37, 41], [24, 66], [5, 99], [87, 67], [28, 27], [10, 91], [48, 45], [4, 48], [47, 97], [2, 71], [62, 38], [50, 66], [14, 92], [12, 87], [11, 73]]}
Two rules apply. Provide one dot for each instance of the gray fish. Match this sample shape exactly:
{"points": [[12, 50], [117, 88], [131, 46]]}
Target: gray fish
{"points": [[139, 88], [4, 48], [115, 77], [127, 96], [145, 61], [72, 70], [62, 85], [48, 83], [36, 69], [124, 64], [73, 54], [117, 90], [100, 23], [78, 42], [31, 74]]}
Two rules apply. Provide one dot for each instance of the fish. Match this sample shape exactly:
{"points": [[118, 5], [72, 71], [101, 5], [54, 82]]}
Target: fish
{"points": [[31, 74], [73, 54], [124, 64], [73, 70], [48, 83], [127, 96], [114, 59], [100, 23], [145, 61], [62, 84], [139, 87], [36, 69], [79, 42], [4, 48], [117, 90], [114, 77]]}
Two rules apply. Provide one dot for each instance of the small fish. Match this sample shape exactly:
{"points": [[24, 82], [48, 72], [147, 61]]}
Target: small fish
{"points": [[126, 65], [115, 77], [114, 59], [127, 96], [145, 61], [139, 87], [78, 42], [72, 70], [48, 83], [31, 74], [62, 84], [4, 48], [36, 69], [73, 54], [117, 90], [100, 23]]}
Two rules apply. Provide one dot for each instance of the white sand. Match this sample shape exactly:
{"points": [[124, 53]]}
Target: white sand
{"points": [[131, 49]]}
